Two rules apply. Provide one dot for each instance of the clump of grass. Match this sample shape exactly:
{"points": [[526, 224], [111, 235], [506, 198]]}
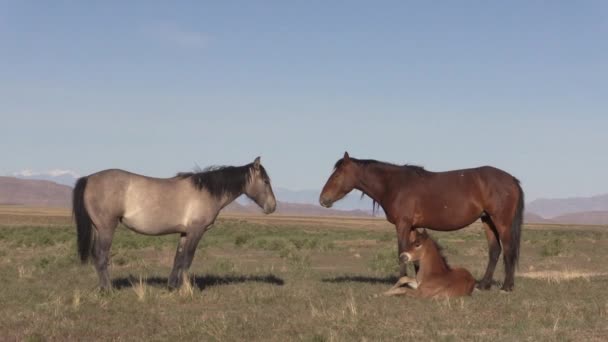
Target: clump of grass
{"points": [[384, 262], [277, 245], [318, 338], [120, 260], [76, 299], [140, 289], [187, 289], [242, 239], [298, 243], [294, 256], [43, 262], [351, 305], [552, 248], [24, 272]]}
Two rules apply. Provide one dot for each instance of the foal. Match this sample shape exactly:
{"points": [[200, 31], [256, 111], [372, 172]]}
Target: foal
{"points": [[435, 278]]}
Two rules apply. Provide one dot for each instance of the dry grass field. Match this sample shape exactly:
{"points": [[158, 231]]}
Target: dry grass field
{"points": [[273, 278]]}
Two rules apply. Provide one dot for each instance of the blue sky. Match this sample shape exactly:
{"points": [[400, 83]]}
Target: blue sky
{"points": [[155, 87]]}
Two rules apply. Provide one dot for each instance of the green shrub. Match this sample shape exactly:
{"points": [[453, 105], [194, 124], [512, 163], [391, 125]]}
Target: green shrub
{"points": [[552, 248], [242, 239]]}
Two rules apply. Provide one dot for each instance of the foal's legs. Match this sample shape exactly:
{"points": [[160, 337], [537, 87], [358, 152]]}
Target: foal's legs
{"points": [[494, 252], [101, 251], [397, 289]]}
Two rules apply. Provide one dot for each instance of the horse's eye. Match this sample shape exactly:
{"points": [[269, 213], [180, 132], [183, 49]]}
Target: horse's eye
{"points": [[417, 244], [266, 181]]}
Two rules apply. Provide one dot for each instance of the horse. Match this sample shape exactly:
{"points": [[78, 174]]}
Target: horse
{"points": [[413, 197], [435, 279], [187, 204]]}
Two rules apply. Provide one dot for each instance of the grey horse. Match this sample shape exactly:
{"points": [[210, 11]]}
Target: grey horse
{"points": [[187, 204]]}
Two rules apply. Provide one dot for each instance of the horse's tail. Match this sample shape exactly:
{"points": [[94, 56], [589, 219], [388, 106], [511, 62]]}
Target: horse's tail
{"points": [[84, 224], [516, 224]]}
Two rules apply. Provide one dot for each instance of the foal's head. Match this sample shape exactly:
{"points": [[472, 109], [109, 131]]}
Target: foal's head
{"points": [[340, 183], [258, 187], [418, 244]]}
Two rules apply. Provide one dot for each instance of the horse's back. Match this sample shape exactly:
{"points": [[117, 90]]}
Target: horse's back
{"points": [[158, 204], [105, 192]]}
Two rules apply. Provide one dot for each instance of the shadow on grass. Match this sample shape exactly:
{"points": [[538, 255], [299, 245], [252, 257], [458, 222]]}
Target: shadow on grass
{"points": [[201, 282], [361, 279]]}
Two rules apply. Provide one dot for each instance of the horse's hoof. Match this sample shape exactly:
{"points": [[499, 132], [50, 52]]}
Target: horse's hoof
{"points": [[483, 286], [506, 289], [104, 291]]}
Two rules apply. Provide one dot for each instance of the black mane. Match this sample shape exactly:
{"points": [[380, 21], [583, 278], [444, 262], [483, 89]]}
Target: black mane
{"points": [[222, 180]]}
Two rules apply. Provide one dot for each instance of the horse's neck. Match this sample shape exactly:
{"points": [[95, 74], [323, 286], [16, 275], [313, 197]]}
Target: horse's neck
{"points": [[373, 184], [432, 262], [227, 199]]}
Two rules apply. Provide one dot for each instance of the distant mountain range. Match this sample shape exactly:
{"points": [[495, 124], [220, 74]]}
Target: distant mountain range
{"points": [[352, 201], [33, 192], [552, 208], [293, 209], [45, 193]]}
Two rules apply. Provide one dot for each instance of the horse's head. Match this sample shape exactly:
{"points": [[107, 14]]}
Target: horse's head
{"points": [[416, 246], [340, 183], [258, 188]]}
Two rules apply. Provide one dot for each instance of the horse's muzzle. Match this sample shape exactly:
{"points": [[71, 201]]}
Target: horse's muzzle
{"points": [[325, 202], [269, 209]]}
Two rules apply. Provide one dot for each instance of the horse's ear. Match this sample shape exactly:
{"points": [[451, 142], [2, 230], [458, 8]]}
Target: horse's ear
{"points": [[256, 163], [346, 157]]}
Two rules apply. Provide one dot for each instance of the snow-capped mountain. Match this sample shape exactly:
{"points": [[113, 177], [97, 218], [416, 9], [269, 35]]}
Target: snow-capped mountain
{"points": [[61, 176]]}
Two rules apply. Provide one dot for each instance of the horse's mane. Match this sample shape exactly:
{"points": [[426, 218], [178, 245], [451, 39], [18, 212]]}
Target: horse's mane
{"points": [[418, 170], [222, 180]]}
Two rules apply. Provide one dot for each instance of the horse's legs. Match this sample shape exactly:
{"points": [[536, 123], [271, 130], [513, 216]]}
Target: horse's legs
{"points": [[190, 248], [184, 255], [505, 240], [175, 279], [504, 234], [101, 251], [403, 232], [494, 252]]}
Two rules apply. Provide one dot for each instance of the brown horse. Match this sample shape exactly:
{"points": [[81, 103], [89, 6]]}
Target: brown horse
{"points": [[413, 197], [435, 278]]}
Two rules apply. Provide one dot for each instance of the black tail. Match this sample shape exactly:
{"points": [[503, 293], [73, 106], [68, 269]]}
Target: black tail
{"points": [[516, 225], [84, 225]]}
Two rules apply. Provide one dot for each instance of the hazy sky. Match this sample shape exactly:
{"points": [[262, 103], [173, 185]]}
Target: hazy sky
{"points": [[155, 87]]}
